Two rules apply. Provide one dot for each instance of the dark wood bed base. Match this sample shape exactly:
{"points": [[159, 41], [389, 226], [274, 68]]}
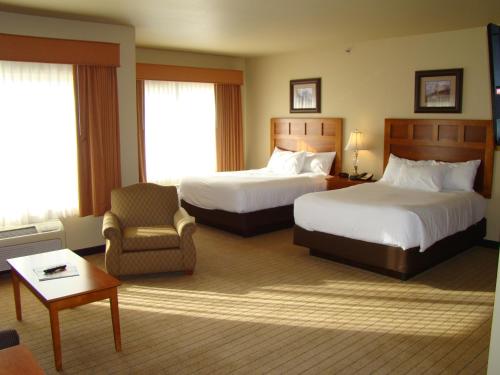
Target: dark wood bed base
{"points": [[446, 140], [387, 260], [245, 224], [293, 134]]}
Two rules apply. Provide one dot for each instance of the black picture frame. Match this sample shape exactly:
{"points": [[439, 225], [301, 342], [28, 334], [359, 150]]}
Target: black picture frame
{"points": [[439, 91], [305, 95]]}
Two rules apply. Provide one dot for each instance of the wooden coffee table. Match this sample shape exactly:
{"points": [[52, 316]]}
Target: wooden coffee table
{"points": [[92, 284]]}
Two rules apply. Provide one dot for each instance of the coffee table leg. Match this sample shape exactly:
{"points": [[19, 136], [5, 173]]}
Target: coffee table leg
{"points": [[17, 295], [56, 336], [115, 317]]}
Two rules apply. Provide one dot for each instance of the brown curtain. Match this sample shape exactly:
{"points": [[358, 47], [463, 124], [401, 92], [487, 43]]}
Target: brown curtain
{"points": [[98, 137], [229, 128], [140, 130]]}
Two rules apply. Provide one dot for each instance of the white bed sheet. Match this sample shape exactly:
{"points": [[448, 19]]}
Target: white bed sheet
{"points": [[389, 215], [248, 191]]}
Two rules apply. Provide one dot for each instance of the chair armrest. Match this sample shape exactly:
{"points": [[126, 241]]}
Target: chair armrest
{"points": [[112, 232], [184, 223], [111, 226], [8, 338]]}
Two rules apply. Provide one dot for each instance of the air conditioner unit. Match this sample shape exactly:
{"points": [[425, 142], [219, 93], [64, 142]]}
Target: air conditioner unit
{"points": [[30, 239]]}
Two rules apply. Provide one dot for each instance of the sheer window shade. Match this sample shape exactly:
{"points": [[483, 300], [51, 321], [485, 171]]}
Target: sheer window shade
{"points": [[38, 156], [179, 130]]}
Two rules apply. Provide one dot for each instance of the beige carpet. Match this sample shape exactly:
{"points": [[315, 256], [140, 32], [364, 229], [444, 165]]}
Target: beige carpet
{"points": [[261, 305]]}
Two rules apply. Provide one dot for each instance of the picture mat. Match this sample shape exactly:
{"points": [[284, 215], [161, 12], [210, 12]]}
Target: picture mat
{"points": [[304, 96], [444, 91]]}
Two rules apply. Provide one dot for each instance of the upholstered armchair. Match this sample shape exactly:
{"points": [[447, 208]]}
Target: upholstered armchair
{"points": [[147, 231]]}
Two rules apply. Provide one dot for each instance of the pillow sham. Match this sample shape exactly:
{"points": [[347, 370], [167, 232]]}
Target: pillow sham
{"points": [[460, 176], [286, 162], [394, 165], [318, 162], [421, 177]]}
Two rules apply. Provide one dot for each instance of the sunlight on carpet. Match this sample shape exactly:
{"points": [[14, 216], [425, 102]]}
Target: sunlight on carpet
{"points": [[302, 307], [262, 305]]}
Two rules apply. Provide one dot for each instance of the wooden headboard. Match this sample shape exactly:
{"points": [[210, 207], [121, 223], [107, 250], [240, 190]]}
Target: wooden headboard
{"points": [[309, 134], [444, 140]]}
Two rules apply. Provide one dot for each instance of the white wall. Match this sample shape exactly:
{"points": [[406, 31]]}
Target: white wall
{"points": [[86, 232], [372, 82]]}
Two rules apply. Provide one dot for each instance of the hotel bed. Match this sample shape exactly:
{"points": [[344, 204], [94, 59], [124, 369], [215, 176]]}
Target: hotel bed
{"points": [[399, 230], [258, 201], [249, 191]]}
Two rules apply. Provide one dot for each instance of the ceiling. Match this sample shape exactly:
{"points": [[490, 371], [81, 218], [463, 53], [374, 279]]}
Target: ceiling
{"points": [[262, 27]]}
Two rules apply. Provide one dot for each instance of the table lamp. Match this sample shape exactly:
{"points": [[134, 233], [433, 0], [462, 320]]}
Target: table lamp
{"points": [[355, 144]]}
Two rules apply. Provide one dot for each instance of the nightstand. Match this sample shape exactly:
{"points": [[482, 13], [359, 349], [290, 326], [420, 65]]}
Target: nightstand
{"points": [[337, 182]]}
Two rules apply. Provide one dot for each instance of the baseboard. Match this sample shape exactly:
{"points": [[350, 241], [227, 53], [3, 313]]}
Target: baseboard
{"points": [[490, 244], [91, 250]]}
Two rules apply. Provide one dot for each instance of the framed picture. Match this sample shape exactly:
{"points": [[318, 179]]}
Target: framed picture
{"points": [[438, 91], [305, 95]]}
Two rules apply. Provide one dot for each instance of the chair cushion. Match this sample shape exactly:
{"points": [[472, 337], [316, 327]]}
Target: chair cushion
{"points": [[150, 238]]}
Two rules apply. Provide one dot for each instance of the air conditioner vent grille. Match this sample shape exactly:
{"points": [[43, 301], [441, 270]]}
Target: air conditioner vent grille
{"points": [[30, 239], [18, 232]]}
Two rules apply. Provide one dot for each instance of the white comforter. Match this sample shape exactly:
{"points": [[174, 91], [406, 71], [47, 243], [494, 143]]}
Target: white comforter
{"points": [[247, 191], [384, 214]]}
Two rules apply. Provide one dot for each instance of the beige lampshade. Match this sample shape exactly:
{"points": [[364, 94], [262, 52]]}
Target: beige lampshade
{"points": [[355, 141]]}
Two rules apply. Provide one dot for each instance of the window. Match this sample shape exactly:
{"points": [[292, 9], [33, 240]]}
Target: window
{"points": [[38, 156], [179, 130]]}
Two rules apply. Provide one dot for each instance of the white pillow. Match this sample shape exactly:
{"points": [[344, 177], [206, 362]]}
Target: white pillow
{"points": [[421, 177], [286, 162], [394, 165], [318, 162], [460, 176], [277, 157]]}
